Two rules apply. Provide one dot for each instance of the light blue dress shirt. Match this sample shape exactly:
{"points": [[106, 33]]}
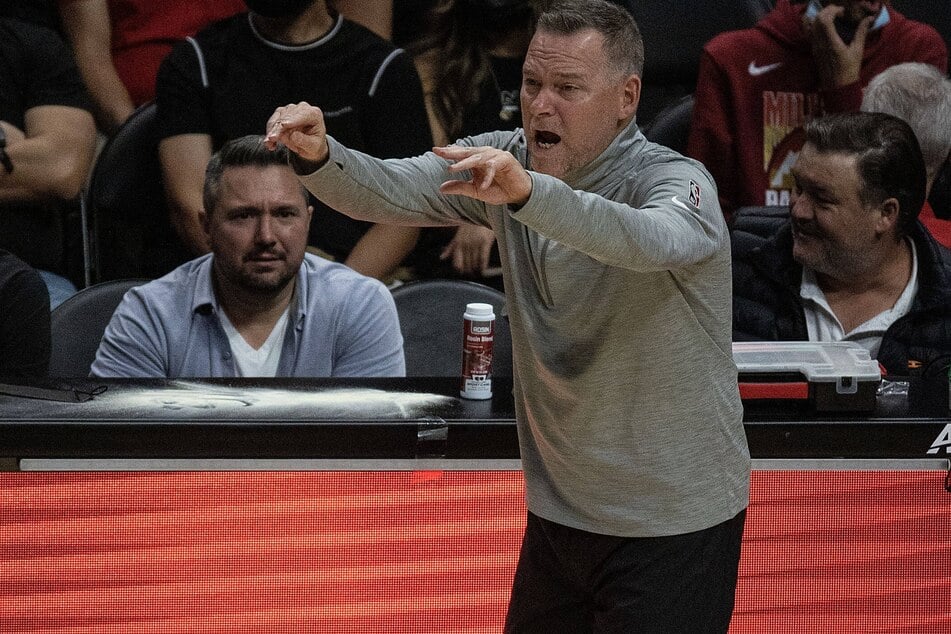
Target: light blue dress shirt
{"points": [[342, 324]]}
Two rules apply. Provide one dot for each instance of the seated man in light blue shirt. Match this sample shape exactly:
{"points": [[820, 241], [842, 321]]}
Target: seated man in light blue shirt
{"points": [[258, 304]]}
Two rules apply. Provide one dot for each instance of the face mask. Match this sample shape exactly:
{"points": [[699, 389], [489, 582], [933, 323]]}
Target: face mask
{"points": [[278, 8], [844, 28]]}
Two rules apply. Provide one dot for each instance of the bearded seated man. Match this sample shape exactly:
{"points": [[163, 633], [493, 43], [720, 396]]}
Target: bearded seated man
{"points": [[258, 305], [854, 263]]}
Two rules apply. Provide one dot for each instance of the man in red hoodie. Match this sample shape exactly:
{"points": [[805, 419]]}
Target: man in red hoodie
{"points": [[757, 87]]}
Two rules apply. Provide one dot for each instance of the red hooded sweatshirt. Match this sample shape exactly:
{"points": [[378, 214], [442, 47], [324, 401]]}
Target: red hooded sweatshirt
{"points": [[757, 88]]}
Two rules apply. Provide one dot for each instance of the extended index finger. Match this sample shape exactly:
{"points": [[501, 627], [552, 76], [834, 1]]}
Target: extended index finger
{"points": [[288, 118], [458, 152], [274, 127]]}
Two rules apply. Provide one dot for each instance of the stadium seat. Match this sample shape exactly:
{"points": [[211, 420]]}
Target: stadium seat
{"points": [[671, 126], [430, 313], [133, 236], [763, 221], [78, 323]]}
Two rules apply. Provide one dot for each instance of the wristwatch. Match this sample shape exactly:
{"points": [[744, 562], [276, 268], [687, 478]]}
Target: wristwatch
{"points": [[4, 157]]}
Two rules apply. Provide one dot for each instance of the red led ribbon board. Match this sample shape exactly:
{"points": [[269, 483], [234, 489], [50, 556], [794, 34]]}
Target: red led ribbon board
{"points": [[829, 551]]}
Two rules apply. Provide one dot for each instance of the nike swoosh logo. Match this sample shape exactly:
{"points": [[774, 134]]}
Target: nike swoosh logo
{"points": [[756, 71], [676, 200]]}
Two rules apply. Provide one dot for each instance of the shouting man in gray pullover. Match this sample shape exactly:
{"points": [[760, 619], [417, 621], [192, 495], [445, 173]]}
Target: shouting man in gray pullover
{"points": [[616, 260]]}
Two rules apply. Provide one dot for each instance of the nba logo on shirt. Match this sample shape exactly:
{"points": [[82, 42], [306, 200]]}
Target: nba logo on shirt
{"points": [[694, 196]]}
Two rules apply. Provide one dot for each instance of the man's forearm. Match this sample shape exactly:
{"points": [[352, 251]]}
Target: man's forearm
{"points": [[184, 159], [382, 249], [50, 166], [188, 227]]}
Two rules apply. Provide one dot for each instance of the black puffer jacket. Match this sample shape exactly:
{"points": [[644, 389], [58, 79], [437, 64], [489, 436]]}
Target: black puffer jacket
{"points": [[767, 306]]}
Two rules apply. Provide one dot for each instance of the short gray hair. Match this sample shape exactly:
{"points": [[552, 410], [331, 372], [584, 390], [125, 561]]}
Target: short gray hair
{"points": [[920, 95], [622, 39]]}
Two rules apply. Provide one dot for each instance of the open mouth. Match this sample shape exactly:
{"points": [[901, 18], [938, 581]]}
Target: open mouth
{"points": [[546, 140]]}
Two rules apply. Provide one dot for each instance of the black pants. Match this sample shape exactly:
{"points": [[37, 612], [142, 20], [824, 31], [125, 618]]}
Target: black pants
{"points": [[569, 580]]}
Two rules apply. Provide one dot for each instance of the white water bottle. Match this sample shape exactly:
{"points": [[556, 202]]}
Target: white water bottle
{"points": [[478, 335]]}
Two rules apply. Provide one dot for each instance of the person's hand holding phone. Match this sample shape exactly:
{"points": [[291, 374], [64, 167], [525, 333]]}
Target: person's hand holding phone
{"points": [[838, 61]]}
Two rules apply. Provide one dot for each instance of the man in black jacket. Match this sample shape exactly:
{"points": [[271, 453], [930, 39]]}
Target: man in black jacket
{"points": [[853, 263]]}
